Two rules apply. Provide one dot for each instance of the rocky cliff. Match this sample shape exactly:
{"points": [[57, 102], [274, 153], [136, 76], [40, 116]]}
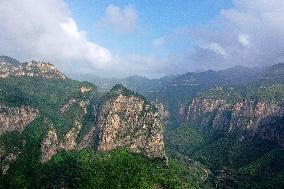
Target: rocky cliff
{"points": [[30, 69], [52, 144], [127, 121], [250, 116], [13, 119], [16, 118], [59, 114], [120, 120]]}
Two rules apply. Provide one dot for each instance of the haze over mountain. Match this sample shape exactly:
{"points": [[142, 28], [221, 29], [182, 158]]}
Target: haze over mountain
{"points": [[180, 94], [173, 138], [153, 39]]}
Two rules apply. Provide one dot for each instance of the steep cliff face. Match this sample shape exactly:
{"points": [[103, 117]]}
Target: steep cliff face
{"points": [[16, 118], [126, 121], [30, 69], [249, 115], [272, 126], [52, 144], [49, 146], [119, 120], [7, 160], [73, 115], [13, 119]]}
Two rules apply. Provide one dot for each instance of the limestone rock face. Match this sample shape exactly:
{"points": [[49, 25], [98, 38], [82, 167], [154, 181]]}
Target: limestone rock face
{"points": [[30, 69], [69, 141], [16, 118], [127, 121], [49, 146], [162, 110], [249, 115], [88, 140], [52, 144], [117, 121], [272, 126], [67, 106], [7, 160]]}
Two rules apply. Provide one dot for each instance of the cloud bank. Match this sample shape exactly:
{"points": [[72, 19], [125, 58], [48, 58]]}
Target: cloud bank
{"points": [[123, 20], [44, 30], [249, 34]]}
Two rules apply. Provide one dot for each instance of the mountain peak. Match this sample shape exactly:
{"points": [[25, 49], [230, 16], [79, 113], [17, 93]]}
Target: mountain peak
{"points": [[9, 60], [12, 67]]}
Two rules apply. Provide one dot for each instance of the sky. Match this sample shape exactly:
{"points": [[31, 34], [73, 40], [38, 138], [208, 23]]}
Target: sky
{"points": [[119, 38]]}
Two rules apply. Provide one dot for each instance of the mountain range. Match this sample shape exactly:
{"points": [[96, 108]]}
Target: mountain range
{"points": [[211, 129]]}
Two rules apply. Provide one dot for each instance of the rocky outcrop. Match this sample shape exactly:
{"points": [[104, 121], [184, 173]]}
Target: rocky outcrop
{"points": [[272, 126], [123, 121], [16, 118], [84, 105], [88, 140], [85, 89], [126, 121], [7, 160], [249, 115], [162, 110], [67, 106], [69, 141], [49, 146], [52, 144], [30, 69]]}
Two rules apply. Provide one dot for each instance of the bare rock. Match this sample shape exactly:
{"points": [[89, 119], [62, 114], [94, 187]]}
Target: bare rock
{"points": [[30, 69], [49, 146], [127, 121], [16, 118]]}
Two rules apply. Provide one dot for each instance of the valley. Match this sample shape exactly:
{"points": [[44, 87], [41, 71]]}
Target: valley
{"points": [[198, 130]]}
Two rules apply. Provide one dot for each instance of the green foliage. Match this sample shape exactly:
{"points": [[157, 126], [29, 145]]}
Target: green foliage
{"points": [[11, 141], [23, 172], [88, 169], [236, 162], [272, 92], [48, 95], [119, 89]]}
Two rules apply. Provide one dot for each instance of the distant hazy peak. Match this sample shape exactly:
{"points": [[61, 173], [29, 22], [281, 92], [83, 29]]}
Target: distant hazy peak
{"points": [[9, 60]]}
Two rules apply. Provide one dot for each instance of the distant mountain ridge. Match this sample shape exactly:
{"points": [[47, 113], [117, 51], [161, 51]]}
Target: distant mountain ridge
{"points": [[208, 129], [9, 60], [12, 67]]}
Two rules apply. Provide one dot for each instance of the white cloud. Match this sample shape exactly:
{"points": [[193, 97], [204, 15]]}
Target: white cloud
{"points": [[123, 20], [158, 42], [215, 47], [43, 29], [251, 33], [244, 40]]}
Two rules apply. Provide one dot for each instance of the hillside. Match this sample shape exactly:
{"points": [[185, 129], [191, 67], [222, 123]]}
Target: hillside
{"points": [[230, 120], [237, 131], [50, 124], [196, 130]]}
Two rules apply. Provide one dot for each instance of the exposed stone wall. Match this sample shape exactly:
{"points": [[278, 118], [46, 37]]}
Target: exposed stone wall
{"points": [[30, 69], [49, 146], [128, 122], [16, 118], [52, 144], [7, 160], [248, 115], [125, 121]]}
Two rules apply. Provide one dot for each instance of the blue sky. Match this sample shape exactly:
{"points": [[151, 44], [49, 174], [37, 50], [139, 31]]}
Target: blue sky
{"points": [[151, 38], [155, 19]]}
